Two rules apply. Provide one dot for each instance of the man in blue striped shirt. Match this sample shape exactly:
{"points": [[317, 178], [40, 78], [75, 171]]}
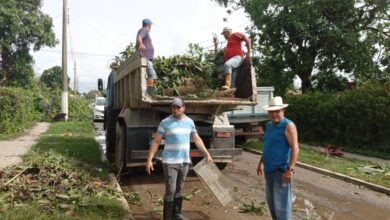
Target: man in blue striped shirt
{"points": [[177, 129]]}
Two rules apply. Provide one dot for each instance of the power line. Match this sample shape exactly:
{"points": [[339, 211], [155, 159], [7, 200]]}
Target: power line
{"points": [[97, 30], [80, 53], [70, 38]]}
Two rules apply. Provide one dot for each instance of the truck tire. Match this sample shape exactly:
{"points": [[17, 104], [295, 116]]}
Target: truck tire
{"points": [[120, 143]]}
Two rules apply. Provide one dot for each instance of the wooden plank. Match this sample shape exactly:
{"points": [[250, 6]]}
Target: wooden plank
{"points": [[215, 181], [244, 82]]}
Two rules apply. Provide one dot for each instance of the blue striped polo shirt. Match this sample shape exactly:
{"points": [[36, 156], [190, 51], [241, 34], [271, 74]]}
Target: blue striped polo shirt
{"points": [[177, 134]]}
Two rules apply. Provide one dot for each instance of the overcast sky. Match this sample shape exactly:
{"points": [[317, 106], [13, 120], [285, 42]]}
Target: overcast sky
{"points": [[99, 30]]}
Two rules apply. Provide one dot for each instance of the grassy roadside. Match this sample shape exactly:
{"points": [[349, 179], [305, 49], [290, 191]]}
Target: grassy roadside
{"points": [[62, 177], [17, 134], [366, 151], [350, 167]]}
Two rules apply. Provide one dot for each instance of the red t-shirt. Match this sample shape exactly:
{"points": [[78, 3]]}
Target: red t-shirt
{"points": [[233, 47]]}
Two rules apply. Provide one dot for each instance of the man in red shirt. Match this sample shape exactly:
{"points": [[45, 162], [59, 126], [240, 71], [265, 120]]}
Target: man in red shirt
{"points": [[233, 55]]}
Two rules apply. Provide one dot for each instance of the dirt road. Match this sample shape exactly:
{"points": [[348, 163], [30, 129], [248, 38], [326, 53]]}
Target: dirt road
{"points": [[10, 151], [316, 196]]}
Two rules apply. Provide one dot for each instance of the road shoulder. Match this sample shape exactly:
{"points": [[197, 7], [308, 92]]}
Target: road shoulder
{"points": [[12, 150]]}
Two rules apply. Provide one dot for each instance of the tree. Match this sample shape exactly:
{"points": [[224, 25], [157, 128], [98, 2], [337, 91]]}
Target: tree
{"points": [[22, 25], [130, 50], [90, 95], [320, 38], [52, 78]]}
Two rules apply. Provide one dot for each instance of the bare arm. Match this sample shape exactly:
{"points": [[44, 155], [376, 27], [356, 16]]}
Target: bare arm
{"points": [[199, 144], [292, 139], [248, 47], [260, 167], [152, 151], [140, 44]]}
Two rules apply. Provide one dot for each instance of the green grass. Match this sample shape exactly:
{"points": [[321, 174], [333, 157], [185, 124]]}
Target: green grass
{"points": [[69, 150], [363, 150], [73, 139], [13, 135], [347, 166]]}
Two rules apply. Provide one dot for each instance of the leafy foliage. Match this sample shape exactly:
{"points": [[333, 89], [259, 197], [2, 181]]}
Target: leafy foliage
{"points": [[20, 108], [59, 176], [130, 50], [16, 110], [181, 70], [322, 38], [252, 209], [22, 25], [174, 69], [355, 118], [52, 78]]}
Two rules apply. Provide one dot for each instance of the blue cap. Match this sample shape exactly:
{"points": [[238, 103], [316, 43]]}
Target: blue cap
{"points": [[177, 102], [146, 21]]}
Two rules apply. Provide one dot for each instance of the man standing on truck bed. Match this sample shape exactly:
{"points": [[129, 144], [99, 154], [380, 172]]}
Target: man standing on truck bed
{"points": [[145, 47], [177, 129], [280, 154], [233, 55]]}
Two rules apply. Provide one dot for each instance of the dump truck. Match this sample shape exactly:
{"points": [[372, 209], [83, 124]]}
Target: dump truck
{"points": [[132, 116]]}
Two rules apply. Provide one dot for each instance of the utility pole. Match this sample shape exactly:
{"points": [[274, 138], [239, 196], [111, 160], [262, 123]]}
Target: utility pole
{"points": [[75, 80], [64, 94], [77, 84]]}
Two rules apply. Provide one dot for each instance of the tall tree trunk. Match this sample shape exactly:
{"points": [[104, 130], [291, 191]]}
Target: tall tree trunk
{"points": [[306, 68], [306, 81], [5, 67]]}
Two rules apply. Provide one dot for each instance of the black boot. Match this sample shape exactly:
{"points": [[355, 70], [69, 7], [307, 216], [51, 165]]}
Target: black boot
{"points": [[168, 209], [178, 203]]}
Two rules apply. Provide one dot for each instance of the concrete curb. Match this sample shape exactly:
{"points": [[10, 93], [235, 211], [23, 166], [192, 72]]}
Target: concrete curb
{"points": [[339, 176], [114, 183]]}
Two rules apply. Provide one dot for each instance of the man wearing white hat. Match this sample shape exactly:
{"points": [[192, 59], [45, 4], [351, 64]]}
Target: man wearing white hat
{"points": [[280, 154]]}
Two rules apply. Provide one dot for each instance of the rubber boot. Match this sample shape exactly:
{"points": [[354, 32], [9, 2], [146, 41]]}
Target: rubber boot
{"points": [[168, 210], [228, 82], [151, 89], [177, 206]]}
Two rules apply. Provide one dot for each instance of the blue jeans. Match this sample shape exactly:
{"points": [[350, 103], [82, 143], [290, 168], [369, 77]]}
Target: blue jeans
{"points": [[279, 196], [231, 67], [175, 176], [150, 72]]}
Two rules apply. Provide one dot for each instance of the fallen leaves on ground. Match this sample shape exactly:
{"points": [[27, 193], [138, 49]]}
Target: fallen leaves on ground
{"points": [[252, 209], [52, 181]]}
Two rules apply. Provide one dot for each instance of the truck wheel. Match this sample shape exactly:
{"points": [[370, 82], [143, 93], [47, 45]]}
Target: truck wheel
{"points": [[120, 165]]}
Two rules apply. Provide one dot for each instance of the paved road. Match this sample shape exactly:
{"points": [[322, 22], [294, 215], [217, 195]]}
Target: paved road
{"points": [[316, 196]]}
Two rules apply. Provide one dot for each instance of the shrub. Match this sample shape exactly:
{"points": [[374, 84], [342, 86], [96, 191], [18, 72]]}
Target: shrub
{"points": [[360, 117], [20, 108], [16, 110], [79, 109]]}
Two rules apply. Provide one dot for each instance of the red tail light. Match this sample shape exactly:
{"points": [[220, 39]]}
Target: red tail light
{"points": [[221, 134], [194, 154]]}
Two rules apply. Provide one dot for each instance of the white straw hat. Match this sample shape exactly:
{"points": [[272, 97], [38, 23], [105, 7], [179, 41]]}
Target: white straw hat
{"points": [[275, 103]]}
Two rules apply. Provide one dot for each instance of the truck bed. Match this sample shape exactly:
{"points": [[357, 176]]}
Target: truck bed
{"points": [[130, 83]]}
